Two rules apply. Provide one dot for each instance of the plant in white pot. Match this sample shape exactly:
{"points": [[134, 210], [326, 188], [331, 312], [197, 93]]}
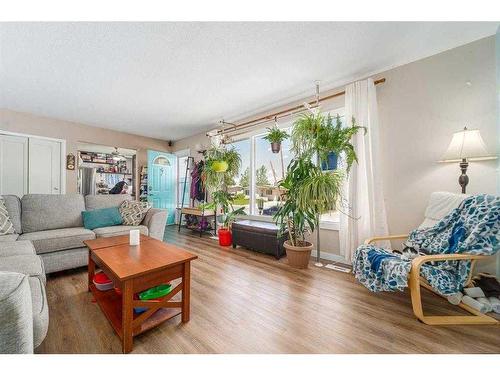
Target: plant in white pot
{"points": [[308, 191]]}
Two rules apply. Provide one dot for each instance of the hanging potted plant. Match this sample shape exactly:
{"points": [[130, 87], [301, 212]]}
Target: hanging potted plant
{"points": [[337, 142], [221, 166], [308, 191], [275, 137]]}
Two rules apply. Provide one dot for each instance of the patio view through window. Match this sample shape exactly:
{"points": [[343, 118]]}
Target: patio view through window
{"points": [[260, 173]]}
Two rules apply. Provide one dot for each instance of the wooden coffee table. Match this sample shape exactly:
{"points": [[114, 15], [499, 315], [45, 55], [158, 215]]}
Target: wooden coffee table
{"points": [[134, 269]]}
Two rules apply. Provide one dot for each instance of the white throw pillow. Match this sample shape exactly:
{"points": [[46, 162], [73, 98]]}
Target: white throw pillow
{"points": [[133, 212], [6, 226]]}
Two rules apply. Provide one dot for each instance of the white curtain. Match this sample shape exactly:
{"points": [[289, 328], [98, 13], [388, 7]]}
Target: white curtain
{"points": [[364, 209]]}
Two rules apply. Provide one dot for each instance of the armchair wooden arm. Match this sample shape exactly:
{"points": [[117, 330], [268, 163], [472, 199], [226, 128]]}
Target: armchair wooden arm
{"points": [[418, 261], [390, 237], [415, 282]]}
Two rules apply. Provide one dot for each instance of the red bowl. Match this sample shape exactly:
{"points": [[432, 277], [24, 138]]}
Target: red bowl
{"points": [[101, 278]]}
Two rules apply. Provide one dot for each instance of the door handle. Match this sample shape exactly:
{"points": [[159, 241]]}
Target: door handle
{"points": [[56, 188]]}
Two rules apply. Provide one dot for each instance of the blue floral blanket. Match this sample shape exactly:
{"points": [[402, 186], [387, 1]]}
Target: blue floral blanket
{"points": [[472, 228]]}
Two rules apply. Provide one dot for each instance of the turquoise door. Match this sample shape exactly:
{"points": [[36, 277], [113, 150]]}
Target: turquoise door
{"points": [[161, 182]]}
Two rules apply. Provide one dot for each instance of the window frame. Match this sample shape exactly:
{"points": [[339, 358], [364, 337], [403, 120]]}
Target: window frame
{"points": [[180, 154], [252, 136]]}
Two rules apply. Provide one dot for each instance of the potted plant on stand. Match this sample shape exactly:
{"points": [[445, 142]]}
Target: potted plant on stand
{"points": [[223, 200], [225, 236], [222, 165], [308, 191], [338, 141]]}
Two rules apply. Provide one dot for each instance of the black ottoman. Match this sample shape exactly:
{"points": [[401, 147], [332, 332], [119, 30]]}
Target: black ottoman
{"points": [[259, 236]]}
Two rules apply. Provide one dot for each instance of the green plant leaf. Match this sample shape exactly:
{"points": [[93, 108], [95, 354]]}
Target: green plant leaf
{"points": [[275, 135]]}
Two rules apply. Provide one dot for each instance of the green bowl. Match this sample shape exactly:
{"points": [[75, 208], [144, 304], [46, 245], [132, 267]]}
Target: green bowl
{"points": [[156, 292]]}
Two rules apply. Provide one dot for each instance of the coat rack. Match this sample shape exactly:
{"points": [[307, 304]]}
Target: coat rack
{"points": [[194, 211]]}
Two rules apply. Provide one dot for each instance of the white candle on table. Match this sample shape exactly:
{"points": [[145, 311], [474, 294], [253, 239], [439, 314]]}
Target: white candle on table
{"points": [[135, 237]]}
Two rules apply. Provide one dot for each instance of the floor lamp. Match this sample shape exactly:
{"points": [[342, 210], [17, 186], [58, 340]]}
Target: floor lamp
{"points": [[466, 145]]}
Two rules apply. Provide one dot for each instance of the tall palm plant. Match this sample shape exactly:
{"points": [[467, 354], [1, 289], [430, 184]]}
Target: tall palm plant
{"points": [[308, 191]]}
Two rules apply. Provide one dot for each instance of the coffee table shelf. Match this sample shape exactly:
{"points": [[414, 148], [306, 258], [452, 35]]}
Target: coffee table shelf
{"points": [[111, 305], [134, 268]]}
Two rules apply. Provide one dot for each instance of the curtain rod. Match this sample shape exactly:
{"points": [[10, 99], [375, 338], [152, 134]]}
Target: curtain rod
{"points": [[279, 114]]}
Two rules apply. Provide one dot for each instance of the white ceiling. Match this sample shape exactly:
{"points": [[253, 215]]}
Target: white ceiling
{"points": [[171, 80]]}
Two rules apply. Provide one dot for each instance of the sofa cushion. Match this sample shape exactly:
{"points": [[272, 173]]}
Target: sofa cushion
{"points": [[102, 217], [58, 239], [16, 248], [65, 259], [30, 265], [94, 202], [16, 321], [13, 205], [118, 230], [9, 238], [50, 211], [133, 212], [40, 310], [6, 226]]}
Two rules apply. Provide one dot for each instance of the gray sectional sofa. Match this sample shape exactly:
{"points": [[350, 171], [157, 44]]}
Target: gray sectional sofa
{"points": [[49, 238]]}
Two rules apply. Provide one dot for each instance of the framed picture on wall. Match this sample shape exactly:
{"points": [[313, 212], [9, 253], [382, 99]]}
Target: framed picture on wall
{"points": [[70, 162]]}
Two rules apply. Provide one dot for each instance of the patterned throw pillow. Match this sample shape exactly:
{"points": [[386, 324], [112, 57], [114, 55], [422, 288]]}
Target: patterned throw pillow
{"points": [[133, 212], [6, 226]]}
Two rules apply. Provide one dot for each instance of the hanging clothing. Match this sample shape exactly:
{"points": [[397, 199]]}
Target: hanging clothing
{"points": [[87, 181], [197, 190]]}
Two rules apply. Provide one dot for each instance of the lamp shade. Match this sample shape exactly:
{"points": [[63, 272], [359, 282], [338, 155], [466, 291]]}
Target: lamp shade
{"points": [[466, 144]]}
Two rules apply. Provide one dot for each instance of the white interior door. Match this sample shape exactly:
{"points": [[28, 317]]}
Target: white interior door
{"points": [[13, 165], [44, 166]]}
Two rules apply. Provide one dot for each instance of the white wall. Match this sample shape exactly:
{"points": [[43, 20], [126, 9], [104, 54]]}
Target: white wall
{"points": [[75, 133], [420, 105]]}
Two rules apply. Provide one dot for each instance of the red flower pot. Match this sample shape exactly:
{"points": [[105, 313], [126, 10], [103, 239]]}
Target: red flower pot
{"points": [[225, 237]]}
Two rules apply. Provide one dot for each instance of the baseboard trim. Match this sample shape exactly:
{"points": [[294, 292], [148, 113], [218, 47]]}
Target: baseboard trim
{"points": [[331, 257]]}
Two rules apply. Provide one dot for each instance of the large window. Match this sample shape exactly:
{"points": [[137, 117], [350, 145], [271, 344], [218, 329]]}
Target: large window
{"points": [[183, 182], [270, 168], [256, 187], [240, 187]]}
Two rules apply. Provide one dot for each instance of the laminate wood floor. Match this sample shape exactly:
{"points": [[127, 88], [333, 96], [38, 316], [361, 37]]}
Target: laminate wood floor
{"points": [[244, 302]]}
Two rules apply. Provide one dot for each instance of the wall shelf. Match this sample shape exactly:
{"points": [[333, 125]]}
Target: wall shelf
{"points": [[98, 162], [120, 173]]}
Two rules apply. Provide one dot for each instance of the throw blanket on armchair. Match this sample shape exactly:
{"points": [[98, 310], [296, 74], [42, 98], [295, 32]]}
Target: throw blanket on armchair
{"points": [[472, 228]]}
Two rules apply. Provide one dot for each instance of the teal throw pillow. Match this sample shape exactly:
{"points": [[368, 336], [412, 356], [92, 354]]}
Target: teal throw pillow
{"points": [[103, 217]]}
